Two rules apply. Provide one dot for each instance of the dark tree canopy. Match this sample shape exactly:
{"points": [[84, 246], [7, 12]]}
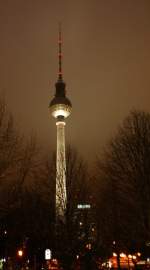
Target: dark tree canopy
{"points": [[124, 182]]}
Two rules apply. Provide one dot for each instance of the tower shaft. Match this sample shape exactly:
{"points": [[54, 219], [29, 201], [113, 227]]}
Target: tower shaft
{"points": [[61, 196]]}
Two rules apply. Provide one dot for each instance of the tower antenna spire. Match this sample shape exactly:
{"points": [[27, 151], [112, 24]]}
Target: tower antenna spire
{"points": [[60, 53]]}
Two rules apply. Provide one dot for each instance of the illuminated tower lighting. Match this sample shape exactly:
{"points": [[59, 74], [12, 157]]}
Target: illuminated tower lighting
{"points": [[60, 108]]}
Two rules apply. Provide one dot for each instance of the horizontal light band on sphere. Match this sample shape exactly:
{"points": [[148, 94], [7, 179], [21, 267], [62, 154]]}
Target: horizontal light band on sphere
{"points": [[60, 110]]}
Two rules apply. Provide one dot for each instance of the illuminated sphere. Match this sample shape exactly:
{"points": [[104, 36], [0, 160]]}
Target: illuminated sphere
{"points": [[60, 106]]}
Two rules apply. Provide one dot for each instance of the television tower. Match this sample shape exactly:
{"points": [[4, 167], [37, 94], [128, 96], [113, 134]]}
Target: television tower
{"points": [[60, 108]]}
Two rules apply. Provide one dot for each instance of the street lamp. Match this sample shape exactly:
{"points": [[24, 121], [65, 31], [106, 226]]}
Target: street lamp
{"points": [[20, 252]]}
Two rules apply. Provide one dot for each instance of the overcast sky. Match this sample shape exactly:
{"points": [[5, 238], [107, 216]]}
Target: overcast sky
{"points": [[106, 65]]}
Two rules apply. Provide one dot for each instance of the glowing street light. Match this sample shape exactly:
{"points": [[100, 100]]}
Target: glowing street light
{"points": [[134, 257], [122, 255], [20, 252]]}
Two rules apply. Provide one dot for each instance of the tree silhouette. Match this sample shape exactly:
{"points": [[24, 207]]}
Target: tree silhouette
{"points": [[123, 174]]}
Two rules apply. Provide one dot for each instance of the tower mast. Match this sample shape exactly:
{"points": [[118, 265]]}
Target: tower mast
{"points": [[60, 53]]}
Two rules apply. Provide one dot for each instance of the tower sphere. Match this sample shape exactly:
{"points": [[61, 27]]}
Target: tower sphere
{"points": [[60, 106]]}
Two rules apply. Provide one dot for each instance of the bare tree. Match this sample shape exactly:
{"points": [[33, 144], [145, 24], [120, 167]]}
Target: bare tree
{"points": [[18, 162], [77, 180], [124, 181], [9, 141], [77, 192], [29, 161], [18, 159]]}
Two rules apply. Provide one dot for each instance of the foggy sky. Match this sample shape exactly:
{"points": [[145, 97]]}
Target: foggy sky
{"points": [[106, 65]]}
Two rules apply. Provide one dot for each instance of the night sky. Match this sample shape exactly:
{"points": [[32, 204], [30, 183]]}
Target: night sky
{"points": [[106, 65]]}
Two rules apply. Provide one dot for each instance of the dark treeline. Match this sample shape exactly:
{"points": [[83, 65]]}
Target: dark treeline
{"points": [[122, 183], [119, 191]]}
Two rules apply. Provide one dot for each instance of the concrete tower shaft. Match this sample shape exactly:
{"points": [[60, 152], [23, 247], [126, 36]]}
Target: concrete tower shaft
{"points": [[61, 194]]}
